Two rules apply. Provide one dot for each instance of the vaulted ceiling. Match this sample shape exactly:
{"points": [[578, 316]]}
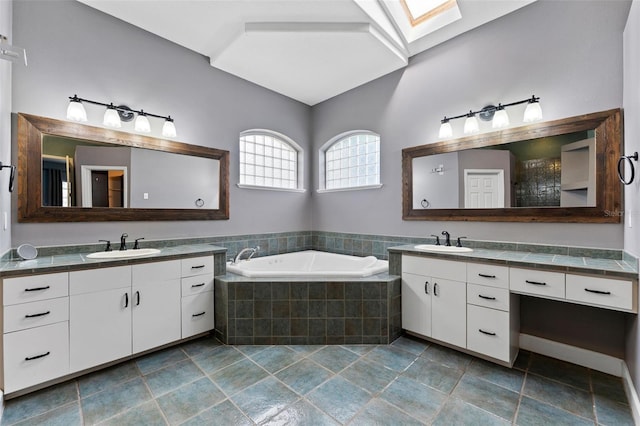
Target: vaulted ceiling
{"points": [[309, 50]]}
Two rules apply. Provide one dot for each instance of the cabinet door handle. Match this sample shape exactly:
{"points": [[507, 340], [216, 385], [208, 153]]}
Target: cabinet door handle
{"points": [[41, 314], [597, 291], [38, 288], [126, 300], [435, 289], [197, 285], [137, 298], [31, 358], [488, 333], [197, 267], [426, 287], [486, 297], [198, 315], [486, 276], [534, 282]]}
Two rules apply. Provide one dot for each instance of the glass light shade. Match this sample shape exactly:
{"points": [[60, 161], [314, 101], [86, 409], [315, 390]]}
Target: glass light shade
{"points": [[142, 124], [446, 131], [533, 112], [471, 125], [76, 112], [169, 129], [111, 118], [500, 119]]}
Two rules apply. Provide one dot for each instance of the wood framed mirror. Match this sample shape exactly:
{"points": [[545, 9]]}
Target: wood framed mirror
{"points": [[70, 172], [556, 171]]}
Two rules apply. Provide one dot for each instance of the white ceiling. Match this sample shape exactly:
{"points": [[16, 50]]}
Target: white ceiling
{"points": [[309, 50]]}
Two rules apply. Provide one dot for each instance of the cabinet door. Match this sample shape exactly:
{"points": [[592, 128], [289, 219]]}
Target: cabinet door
{"points": [[416, 303], [156, 314], [449, 306], [99, 327]]}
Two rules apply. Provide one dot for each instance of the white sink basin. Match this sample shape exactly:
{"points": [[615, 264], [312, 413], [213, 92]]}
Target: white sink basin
{"points": [[122, 254], [443, 249]]}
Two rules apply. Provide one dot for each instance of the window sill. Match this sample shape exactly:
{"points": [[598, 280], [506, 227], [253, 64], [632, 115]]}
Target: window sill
{"points": [[351, 188], [270, 188]]}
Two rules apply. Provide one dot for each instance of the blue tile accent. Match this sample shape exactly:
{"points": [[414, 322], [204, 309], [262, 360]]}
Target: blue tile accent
{"points": [[189, 400], [39, 402], [536, 413], [379, 412], [482, 394], [457, 412], [421, 401], [147, 414], [115, 400], [572, 399], [67, 415], [304, 376], [172, 377], [264, 399], [340, 398]]}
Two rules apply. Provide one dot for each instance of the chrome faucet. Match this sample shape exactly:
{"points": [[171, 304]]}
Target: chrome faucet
{"points": [[123, 241], [251, 250], [447, 241]]}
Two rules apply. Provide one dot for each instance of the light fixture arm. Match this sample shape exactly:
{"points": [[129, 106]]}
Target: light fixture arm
{"points": [[492, 108]]}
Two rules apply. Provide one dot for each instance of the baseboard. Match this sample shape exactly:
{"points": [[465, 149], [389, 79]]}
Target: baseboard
{"points": [[590, 359], [632, 395]]}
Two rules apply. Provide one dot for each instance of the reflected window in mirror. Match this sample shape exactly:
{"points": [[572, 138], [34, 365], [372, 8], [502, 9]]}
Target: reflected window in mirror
{"points": [[350, 160], [269, 160]]}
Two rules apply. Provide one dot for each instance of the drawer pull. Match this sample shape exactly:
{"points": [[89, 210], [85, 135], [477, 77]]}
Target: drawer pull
{"points": [[597, 291], [38, 288], [41, 314], [534, 282], [197, 285], [426, 287], [435, 289], [197, 267], [198, 315], [486, 297], [137, 298], [31, 358], [488, 333], [126, 300], [486, 276]]}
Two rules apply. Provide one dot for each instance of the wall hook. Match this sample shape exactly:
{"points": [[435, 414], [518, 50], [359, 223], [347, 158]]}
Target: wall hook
{"points": [[627, 159], [11, 176]]}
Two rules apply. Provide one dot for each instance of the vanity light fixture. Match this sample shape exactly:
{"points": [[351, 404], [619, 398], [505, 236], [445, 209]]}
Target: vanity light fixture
{"points": [[497, 114], [115, 115]]}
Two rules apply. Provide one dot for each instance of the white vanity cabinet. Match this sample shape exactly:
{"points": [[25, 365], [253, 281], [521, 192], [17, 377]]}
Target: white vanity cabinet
{"points": [[197, 295], [35, 330], [434, 299], [99, 316]]}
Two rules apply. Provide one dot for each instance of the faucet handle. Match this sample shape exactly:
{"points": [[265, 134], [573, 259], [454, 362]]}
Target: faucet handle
{"points": [[136, 246], [437, 239], [108, 247], [459, 243]]}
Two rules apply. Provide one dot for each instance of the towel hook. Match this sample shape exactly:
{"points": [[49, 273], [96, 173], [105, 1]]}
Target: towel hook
{"points": [[11, 176], [627, 159]]}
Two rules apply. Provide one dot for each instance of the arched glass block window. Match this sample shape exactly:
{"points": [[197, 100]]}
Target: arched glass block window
{"points": [[269, 160]]}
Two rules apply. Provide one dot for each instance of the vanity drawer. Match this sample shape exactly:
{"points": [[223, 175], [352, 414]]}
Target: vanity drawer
{"points": [[606, 292], [197, 266], [197, 314], [35, 287], [36, 355], [491, 297], [35, 314], [491, 275], [488, 332], [542, 283], [197, 284], [436, 268], [156, 271], [94, 280]]}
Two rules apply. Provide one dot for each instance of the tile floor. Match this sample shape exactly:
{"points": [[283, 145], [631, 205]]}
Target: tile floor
{"points": [[410, 382]]}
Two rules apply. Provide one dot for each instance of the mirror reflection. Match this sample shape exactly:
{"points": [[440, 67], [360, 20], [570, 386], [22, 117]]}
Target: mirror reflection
{"points": [[554, 171], [81, 173]]}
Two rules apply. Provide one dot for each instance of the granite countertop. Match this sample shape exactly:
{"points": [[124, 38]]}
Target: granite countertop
{"points": [[71, 262], [563, 263]]}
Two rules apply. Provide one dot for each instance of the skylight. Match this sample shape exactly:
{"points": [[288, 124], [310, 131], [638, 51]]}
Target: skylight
{"points": [[419, 11]]}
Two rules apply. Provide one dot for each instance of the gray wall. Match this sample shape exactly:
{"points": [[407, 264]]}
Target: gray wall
{"points": [[567, 52], [632, 192], [5, 127], [73, 48]]}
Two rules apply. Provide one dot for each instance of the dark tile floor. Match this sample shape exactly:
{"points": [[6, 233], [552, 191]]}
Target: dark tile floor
{"points": [[410, 382]]}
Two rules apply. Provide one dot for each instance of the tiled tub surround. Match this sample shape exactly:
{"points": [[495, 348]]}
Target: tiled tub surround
{"points": [[308, 311]]}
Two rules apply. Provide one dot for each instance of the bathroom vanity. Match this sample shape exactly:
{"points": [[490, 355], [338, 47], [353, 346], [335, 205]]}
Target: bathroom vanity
{"points": [[471, 301], [69, 318]]}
